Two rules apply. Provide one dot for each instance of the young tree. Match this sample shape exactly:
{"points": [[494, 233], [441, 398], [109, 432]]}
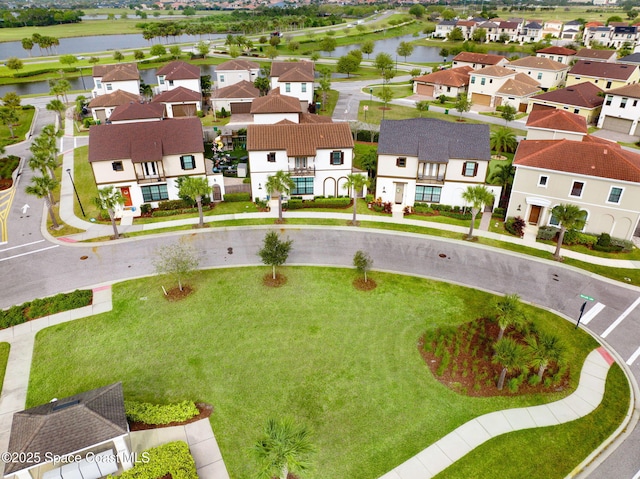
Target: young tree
{"points": [[405, 49], [510, 355], [463, 104], [282, 184], [42, 187], [503, 139], [138, 54], [68, 59], [176, 260], [325, 86], [362, 262], [478, 196], [274, 251], [12, 100], [367, 47], [118, 56], [508, 113], [158, 50], [508, 312], [479, 35], [502, 176], [328, 44], [347, 64], [14, 63], [271, 52], [422, 105], [234, 51], [355, 183], [195, 188], [94, 60], [203, 49], [569, 217], [383, 63], [417, 10], [175, 51], [9, 118], [444, 53], [543, 350], [455, 35], [285, 447], [109, 198], [386, 95]]}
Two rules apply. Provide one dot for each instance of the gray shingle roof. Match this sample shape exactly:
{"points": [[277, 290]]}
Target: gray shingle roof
{"points": [[434, 140]]}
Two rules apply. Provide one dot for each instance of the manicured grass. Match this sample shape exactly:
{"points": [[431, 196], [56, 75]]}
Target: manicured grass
{"points": [[341, 361], [209, 120], [400, 90], [360, 149], [4, 357], [223, 208], [332, 100], [85, 184], [25, 117], [94, 27]]}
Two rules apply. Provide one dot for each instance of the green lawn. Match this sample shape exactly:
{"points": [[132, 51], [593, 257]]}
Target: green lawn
{"points": [[4, 357], [25, 117], [341, 361], [85, 184]]}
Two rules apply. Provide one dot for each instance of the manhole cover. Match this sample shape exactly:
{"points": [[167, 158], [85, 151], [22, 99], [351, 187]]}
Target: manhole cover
{"points": [[84, 257]]}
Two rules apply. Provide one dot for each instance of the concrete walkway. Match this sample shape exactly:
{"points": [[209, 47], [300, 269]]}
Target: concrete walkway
{"points": [[443, 453]]}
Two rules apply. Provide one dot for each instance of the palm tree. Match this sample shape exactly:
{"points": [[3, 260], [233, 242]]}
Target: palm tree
{"points": [[570, 217], [503, 139], [58, 107], [503, 177], [196, 188], [109, 198], [42, 187], [281, 183], [510, 355], [355, 183], [284, 447], [544, 349], [508, 312], [478, 196]]}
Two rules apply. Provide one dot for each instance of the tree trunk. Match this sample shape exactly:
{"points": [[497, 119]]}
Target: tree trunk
{"points": [[179, 284], [199, 203], [355, 205], [503, 374], [273, 267], [279, 211], [556, 255], [474, 213], [54, 222], [501, 333], [541, 370], [285, 472], [365, 276], [112, 217]]}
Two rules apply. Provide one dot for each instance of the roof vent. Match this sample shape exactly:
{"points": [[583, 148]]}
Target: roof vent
{"points": [[605, 151]]}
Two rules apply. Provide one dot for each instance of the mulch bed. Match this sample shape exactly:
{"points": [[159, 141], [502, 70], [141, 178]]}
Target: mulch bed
{"points": [[205, 411], [269, 280], [5, 183], [174, 294], [361, 285]]}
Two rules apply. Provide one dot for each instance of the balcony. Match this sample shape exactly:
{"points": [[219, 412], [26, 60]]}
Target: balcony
{"points": [[430, 180], [307, 171], [142, 178]]}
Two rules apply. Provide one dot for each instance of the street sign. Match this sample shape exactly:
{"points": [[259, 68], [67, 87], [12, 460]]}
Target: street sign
{"points": [[588, 298], [366, 108]]}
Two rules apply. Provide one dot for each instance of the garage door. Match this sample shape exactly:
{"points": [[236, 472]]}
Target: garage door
{"points": [[183, 110], [539, 107], [621, 125], [637, 132], [426, 90], [240, 108], [479, 99]]}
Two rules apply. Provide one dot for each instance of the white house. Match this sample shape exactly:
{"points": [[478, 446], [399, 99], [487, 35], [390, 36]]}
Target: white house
{"points": [[497, 85], [553, 124], [102, 106], [179, 74], [235, 98], [450, 82], [236, 71], [179, 101], [294, 79], [318, 156], [621, 110], [110, 78], [135, 111], [558, 54], [444, 27], [548, 73], [477, 60], [431, 161]]}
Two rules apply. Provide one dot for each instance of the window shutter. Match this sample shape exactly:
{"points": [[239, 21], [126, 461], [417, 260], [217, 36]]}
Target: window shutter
{"points": [[182, 162], [475, 169], [464, 168], [342, 157], [193, 162]]}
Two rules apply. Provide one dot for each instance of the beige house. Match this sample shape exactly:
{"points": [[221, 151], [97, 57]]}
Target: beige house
{"points": [[593, 55], [555, 124], [235, 98], [451, 82], [583, 99], [477, 60], [496, 85], [235, 71], [596, 175], [602, 74], [548, 73]]}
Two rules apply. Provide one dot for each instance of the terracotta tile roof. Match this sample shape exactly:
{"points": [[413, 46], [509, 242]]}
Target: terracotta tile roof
{"points": [[145, 141], [179, 94], [119, 72], [614, 71], [456, 77], [557, 120], [495, 71], [539, 63], [514, 87], [293, 71], [299, 139], [595, 54], [237, 65], [524, 78], [466, 23], [179, 70], [482, 58], [274, 102], [592, 24], [588, 157], [118, 97], [137, 111], [583, 95], [509, 25], [557, 51], [242, 89], [632, 91], [67, 425]]}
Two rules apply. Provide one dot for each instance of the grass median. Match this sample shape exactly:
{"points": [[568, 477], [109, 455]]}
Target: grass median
{"points": [[4, 358]]}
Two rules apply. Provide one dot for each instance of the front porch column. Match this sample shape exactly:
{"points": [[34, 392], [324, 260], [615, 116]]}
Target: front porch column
{"points": [[123, 453]]}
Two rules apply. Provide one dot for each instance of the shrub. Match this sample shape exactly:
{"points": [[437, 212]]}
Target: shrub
{"points": [[422, 208], [515, 226], [604, 240], [174, 205], [8, 165], [44, 307], [163, 213], [570, 237], [626, 245], [145, 208], [499, 213], [87, 122], [235, 197], [547, 233], [155, 414], [172, 459], [294, 204]]}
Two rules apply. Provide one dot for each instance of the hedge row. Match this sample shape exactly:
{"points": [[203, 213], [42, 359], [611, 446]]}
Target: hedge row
{"points": [[172, 458], [44, 307], [297, 203], [234, 197], [156, 414], [7, 166], [43, 71], [602, 242], [160, 213]]}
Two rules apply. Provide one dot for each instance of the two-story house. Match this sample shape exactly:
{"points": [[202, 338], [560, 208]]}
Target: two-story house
{"points": [[548, 73], [491, 29], [431, 161], [597, 36], [532, 32], [496, 85], [621, 110], [319, 157], [467, 27], [235, 98], [178, 74], [451, 82], [584, 99], [557, 54], [145, 159], [555, 125], [624, 35], [235, 71], [593, 55], [444, 27], [509, 30], [596, 175], [477, 60], [110, 78], [102, 106], [553, 28], [603, 75], [571, 30], [179, 101], [294, 79]]}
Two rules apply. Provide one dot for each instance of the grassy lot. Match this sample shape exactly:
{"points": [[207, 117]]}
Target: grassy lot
{"points": [[208, 120], [400, 90], [4, 357], [332, 100], [25, 117], [341, 361], [85, 184]]}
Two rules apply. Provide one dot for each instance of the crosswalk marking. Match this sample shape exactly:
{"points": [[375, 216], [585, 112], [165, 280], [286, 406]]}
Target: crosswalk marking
{"points": [[620, 318], [589, 315], [633, 357]]}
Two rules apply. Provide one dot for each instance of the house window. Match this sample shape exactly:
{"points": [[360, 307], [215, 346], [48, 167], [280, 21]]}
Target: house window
{"points": [[482, 81], [161, 80], [287, 87], [98, 84], [109, 86], [576, 111], [553, 221], [221, 78], [635, 102], [473, 80], [170, 82], [401, 162], [470, 168], [303, 186], [430, 194], [187, 162], [271, 157], [304, 87], [623, 102], [614, 195], [540, 76], [609, 100], [149, 168], [608, 85], [154, 193], [576, 189], [490, 80], [301, 161], [543, 181], [337, 157], [117, 166]]}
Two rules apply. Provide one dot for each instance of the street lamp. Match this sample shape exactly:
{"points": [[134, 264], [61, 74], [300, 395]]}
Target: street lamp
{"points": [[77, 195]]}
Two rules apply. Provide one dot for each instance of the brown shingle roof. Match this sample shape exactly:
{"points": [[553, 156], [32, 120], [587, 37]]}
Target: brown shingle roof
{"points": [[583, 95], [137, 111], [495, 71], [293, 71], [482, 58], [145, 141], [614, 71], [299, 139], [179, 94], [312, 118], [632, 90], [557, 120], [67, 425], [119, 72], [524, 78], [588, 157], [595, 54], [455, 77], [118, 97], [557, 51], [242, 89], [237, 65], [274, 102], [179, 70], [540, 63], [514, 87]]}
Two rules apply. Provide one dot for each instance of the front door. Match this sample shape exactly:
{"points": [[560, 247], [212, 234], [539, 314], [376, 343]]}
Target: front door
{"points": [[126, 194], [534, 214], [399, 193]]}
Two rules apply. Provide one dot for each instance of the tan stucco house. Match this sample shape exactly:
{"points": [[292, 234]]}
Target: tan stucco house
{"points": [[583, 99]]}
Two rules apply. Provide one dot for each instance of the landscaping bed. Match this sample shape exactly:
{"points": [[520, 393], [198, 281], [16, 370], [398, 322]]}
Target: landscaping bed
{"points": [[39, 308]]}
